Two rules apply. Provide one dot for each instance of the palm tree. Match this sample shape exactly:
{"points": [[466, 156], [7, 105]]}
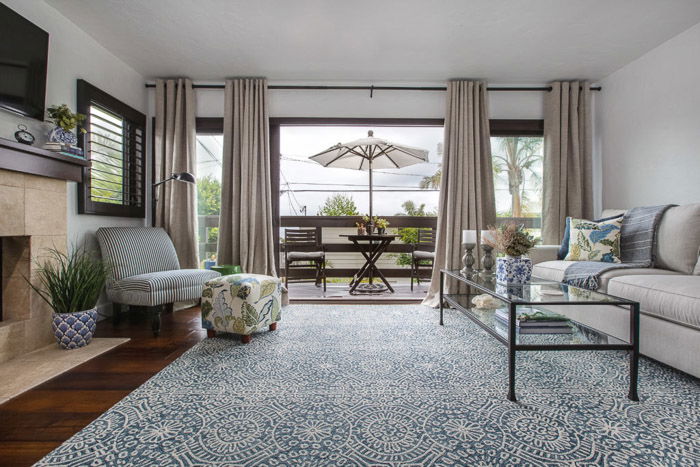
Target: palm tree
{"points": [[432, 182], [518, 155]]}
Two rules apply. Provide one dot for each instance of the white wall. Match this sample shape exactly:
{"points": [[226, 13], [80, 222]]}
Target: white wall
{"points": [[649, 125], [72, 55], [384, 104]]}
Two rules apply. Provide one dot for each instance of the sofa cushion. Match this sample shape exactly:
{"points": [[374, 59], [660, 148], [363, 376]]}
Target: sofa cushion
{"points": [[673, 297], [551, 270], [554, 271], [678, 239]]}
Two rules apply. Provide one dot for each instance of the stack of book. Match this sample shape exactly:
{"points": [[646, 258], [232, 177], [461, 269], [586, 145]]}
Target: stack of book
{"points": [[534, 321], [65, 149]]}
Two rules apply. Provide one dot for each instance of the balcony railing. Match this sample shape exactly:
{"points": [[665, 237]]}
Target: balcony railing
{"points": [[343, 259]]}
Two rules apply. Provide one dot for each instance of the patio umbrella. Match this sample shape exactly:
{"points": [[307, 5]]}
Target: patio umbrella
{"points": [[368, 154]]}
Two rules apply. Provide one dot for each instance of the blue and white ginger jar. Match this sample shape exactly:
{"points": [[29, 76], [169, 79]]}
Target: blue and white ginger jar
{"points": [[513, 270], [59, 135]]}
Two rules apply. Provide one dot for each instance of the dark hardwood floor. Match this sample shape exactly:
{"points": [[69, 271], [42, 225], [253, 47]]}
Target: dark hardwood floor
{"points": [[34, 423]]}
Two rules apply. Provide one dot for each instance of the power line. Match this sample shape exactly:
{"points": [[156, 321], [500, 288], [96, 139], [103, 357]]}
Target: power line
{"points": [[291, 195], [375, 171], [345, 184], [206, 149]]}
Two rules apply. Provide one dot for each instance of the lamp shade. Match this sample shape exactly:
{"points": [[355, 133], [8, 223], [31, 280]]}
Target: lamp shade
{"points": [[184, 177]]}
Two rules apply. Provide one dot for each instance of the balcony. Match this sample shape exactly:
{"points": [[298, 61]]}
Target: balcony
{"points": [[343, 259]]}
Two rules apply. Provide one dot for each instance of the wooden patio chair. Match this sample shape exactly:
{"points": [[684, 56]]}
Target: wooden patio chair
{"points": [[423, 254], [303, 250]]}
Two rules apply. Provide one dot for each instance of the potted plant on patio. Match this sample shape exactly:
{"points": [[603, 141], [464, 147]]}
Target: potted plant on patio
{"points": [[381, 225], [71, 284], [514, 241]]}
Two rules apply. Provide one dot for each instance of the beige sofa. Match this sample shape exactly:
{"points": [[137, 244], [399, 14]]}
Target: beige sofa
{"points": [[669, 293]]}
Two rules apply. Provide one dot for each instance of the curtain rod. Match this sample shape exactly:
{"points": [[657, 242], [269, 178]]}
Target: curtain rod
{"points": [[371, 89]]}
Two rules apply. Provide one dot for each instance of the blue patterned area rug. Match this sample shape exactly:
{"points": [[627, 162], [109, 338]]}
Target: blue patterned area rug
{"points": [[386, 385]]}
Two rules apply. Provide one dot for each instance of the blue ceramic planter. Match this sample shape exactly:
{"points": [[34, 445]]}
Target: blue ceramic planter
{"points": [[513, 271], [74, 330], [59, 135]]}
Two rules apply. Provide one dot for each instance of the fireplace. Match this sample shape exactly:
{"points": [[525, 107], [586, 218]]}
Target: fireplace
{"points": [[33, 219], [14, 298]]}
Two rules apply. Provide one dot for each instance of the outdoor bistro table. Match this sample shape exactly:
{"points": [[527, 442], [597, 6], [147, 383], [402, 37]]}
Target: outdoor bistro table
{"points": [[377, 246]]}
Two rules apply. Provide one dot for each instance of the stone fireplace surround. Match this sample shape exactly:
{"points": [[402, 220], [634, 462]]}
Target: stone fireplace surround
{"points": [[33, 218]]}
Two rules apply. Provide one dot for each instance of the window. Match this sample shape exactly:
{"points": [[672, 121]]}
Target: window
{"points": [[517, 149], [114, 142], [210, 148], [309, 189], [312, 195]]}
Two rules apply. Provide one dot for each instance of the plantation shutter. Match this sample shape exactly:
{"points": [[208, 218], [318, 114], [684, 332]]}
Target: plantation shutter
{"points": [[114, 142]]}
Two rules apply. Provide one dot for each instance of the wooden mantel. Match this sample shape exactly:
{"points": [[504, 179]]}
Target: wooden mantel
{"points": [[36, 161]]}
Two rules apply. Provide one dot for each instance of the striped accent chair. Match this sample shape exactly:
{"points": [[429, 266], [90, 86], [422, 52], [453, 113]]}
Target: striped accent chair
{"points": [[145, 271]]}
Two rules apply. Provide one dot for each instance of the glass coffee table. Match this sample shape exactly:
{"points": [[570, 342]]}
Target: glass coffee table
{"points": [[542, 293]]}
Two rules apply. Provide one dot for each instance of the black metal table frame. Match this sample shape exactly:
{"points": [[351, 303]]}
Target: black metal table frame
{"points": [[375, 251], [632, 347]]}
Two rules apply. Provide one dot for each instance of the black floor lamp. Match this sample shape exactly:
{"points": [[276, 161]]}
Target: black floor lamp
{"points": [[180, 177]]}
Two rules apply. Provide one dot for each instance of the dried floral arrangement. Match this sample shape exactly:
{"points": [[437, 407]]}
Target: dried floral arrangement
{"points": [[511, 239]]}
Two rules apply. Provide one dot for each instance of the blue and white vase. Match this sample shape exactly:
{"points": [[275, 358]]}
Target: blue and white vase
{"points": [[513, 270], [74, 330], [59, 135]]}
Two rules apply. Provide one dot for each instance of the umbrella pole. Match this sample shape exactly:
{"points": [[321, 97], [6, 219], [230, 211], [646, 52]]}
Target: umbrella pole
{"points": [[370, 190], [370, 213]]}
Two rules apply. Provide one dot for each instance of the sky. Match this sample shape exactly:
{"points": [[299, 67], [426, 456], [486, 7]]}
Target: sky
{"points": [[302, 181]]}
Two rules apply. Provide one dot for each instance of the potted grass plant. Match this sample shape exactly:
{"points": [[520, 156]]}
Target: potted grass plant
{"points": [[513, 241], [71, 284]]}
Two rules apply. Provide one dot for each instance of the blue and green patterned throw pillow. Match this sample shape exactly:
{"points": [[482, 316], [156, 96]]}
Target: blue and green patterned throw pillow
{"points": [[564, 247], [594, 241]]}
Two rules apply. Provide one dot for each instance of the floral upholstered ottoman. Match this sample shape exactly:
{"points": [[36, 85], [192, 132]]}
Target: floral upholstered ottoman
{"points": [[241, 304]]}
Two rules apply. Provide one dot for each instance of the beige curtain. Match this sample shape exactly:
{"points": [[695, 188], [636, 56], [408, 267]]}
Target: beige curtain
{"points": [[245, 228], [467, 199], [175, 151], [567, 188]]}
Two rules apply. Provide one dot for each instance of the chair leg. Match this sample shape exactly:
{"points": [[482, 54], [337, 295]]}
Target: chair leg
{"points": [[116, 313], [317, 283], [211, 333], [155, 319], [324, 276], [246, 339], [168, 307], [286, 275], [273, 326], [413, 266]]}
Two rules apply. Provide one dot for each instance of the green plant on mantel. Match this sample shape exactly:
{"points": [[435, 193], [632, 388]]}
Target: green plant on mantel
{"points": [[71, 282], [61, 115]]}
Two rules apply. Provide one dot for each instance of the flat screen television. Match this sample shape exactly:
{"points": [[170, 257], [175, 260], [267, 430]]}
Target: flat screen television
{"points": [[24, 51]]}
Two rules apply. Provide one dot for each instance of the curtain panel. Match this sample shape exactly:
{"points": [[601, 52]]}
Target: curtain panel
{"points": [[467, 199], [567, 186], [245, 227], [175, 151]]}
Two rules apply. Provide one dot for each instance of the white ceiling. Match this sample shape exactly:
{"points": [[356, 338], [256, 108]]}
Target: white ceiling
{"points": [[516, 41]]}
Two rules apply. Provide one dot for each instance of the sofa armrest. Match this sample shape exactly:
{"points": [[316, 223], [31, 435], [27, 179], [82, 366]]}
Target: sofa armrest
{"points": [[542, 253]]}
